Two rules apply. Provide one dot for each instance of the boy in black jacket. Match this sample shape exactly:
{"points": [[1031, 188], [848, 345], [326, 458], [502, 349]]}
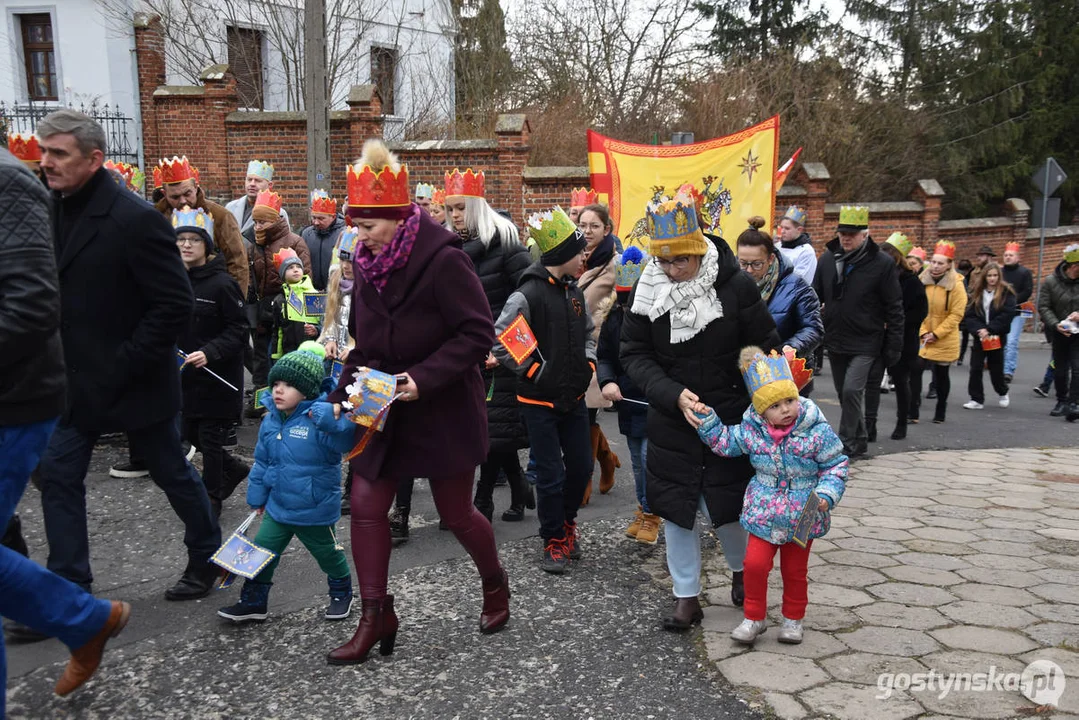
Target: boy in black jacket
{"points": [[545, 337], [214, 342]]}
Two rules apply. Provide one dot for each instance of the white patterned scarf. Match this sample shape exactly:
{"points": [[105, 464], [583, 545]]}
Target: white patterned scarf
{"points": [[692, 304]]}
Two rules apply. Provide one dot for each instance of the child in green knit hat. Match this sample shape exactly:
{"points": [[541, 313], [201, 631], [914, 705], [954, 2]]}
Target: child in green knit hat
{"points": [[295, 482]]}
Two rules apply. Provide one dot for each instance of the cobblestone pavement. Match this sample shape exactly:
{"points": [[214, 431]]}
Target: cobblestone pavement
{"points": [[958, 562]]}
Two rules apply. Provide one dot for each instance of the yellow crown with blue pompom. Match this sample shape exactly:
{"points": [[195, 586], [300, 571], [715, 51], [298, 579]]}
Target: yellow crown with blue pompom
{"points": [[673, 227], [551, 228], [628, 269], [189, 218], [768, 377]]}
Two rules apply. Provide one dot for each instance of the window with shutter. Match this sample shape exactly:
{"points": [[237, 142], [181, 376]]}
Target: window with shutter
{"points": [[245, 62], [39, 57]]}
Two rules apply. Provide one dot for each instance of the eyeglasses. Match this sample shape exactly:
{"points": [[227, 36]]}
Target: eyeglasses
{"points": [[680, 263], [187, 241], [756, 264]]}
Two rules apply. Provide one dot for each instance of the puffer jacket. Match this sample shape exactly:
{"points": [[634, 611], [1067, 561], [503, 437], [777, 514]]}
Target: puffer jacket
{"points": [[795, 308], [1058, 298], [947, 304], [809, 458], [321, 244], [999, 320], [297, 470], [264, 280]]}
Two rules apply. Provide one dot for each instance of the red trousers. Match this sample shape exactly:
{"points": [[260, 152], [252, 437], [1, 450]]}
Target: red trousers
{"points": [[793, 564], [371, 500]]}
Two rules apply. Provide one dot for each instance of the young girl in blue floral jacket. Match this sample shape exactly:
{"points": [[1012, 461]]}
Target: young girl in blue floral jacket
{"points": [[794, 452]]}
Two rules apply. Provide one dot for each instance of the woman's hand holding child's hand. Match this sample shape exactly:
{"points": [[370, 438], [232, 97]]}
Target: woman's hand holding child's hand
{"points": [[691, 406]]}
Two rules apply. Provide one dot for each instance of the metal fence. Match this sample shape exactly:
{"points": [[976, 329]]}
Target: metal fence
{"points": [[121, 132]]}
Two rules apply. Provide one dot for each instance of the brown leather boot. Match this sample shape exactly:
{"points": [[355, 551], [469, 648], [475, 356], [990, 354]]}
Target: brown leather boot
{"points": [[496, 603], [596, 432], [608, 461], [86, 659], [378, 624], [687, 613]]}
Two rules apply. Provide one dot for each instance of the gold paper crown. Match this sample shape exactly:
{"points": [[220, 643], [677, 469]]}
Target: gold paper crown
{"points": [[550, 228], [855, 216], [384, 188], [768, 377], [189, 217]]}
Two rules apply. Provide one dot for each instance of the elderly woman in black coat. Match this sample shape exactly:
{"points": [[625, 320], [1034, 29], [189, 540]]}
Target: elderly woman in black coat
{"points": [[691, 313]]}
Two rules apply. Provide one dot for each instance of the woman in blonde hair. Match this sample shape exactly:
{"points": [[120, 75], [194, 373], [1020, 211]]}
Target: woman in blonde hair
{"points": [[990, 310]]}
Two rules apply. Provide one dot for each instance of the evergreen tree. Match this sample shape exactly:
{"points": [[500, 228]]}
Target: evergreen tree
{"points": [[756, 28], [483, 65]]}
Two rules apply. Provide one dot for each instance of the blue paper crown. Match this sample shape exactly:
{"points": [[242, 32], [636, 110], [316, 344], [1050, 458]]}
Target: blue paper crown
{"points": [[260, 169], [347, 244], [189, 218], [796, 215], [672, 219], [764, 370], [629, 268]]}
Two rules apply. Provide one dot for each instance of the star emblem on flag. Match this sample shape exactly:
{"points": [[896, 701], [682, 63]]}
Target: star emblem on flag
{"points": [[750, 164]]}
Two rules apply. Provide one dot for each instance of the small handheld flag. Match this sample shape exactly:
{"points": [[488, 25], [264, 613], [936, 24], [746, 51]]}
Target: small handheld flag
{"points": [[518, 339]]}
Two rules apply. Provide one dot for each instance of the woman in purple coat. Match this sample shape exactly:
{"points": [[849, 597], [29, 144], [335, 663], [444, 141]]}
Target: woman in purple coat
{"points": [[419, 312]]}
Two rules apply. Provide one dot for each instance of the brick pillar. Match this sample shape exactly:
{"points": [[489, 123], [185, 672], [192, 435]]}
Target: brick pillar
{"points": [[928, 193], [1018, 210], [220, 99], [514, 134], [150, 62], [815, 178], [364, 117]]}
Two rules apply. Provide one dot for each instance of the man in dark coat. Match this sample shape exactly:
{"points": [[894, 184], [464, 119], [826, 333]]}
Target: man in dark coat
{"points": [[858, 287], [321, 237], [125, 298]]}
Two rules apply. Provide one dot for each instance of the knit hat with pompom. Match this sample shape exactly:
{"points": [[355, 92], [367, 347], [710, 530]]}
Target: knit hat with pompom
{"points": [[302, 369]]}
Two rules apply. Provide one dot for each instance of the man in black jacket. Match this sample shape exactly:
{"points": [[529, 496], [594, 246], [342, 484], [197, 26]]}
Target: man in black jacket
{"points": [[31, 400], [125, 298], [858, 287], [1021, 279]]}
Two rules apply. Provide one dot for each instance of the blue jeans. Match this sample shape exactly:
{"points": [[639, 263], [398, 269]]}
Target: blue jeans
{"points": [[638, 455], [63, 495], [562, 444], [29, 593], [1011, 350], [684, 552]]}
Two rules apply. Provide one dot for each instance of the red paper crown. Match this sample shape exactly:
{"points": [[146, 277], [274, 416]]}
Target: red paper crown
{"points": [[158, 182], [177, 170], [801, 374], [1011, 247], [270, 199], [282, 255], [382, 189], [24, 147], [439, 197], [465, 184], [323, 204], [580, 197], [945, 248]]}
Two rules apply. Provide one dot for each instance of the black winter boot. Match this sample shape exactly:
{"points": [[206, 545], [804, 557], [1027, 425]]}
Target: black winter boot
{"points": [[340, 606], [399, 525], [738, 591], [871, 429], [252, 606]]}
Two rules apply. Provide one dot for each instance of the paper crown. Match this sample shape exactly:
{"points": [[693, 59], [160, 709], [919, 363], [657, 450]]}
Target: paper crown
{"points": [[1012, 247], [769, 378], [550, 228], [158, 182], [270, 199], [385, 188], [918, 253], [853, 217], [285, 255], [24, 147], [945, 248], [177, 170], [629, 268], [798, 215], [133, 177], [423, 190], [465, 184], [580, 197], [189, 217], [348, 243], [260, 169], [900, 242], [439, 198], [322, 203], [673, 220], [1071, 253]]}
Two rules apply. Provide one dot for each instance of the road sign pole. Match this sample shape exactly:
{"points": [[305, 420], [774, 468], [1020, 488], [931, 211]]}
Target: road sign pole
{"points": [[1041, 247]]}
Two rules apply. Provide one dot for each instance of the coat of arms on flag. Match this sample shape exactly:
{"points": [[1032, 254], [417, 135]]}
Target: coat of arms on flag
{"points": [[518, 339]]}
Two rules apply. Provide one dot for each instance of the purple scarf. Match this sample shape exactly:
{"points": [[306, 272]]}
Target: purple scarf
{"points": [[376, 269]]}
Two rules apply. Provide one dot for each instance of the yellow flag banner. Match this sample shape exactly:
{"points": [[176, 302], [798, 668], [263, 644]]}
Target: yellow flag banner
{"points": [[733, 179]]}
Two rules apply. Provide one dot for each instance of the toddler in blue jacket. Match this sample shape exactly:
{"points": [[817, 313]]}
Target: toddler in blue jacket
{"points": [[295, 483], [795, 453]]}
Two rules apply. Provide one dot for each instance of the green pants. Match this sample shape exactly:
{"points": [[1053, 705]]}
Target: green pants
{"points": [[319, 541]]}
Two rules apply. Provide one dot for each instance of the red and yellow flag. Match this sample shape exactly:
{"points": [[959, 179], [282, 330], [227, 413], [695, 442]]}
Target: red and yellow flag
{"points": [[733, 178], [518, 339]]}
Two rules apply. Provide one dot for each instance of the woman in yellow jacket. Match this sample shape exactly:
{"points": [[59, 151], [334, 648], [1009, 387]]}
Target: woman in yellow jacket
{"points": [[940, 330]]}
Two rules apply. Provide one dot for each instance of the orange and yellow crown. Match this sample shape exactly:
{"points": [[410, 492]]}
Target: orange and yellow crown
{"points": [[270, 199], [284, 254], [132, 175], [945, 248], [322, 203], [465, 184], [384, 188], [177, 170], [580, 197], [439, 198], [24, 147], [158, 182], [1011, 247]]}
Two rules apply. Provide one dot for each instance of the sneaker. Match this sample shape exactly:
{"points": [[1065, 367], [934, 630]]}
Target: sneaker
{"points": [[230, 439], [748, 632], [128, 470], [973, 405], [252, 606], [791, 632], [649, 532], [1004, 401], [1041, 390], [554, 557], [932, 394], [573, 541], [341, 599], [398, 526], [1059, 409]]}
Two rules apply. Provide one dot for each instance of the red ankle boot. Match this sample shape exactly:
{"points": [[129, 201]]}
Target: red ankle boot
{"points": [[378, 624], [496, 603]]}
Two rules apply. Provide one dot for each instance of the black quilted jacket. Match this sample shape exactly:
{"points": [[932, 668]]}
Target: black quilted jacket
{"points": [[32, 362]]}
